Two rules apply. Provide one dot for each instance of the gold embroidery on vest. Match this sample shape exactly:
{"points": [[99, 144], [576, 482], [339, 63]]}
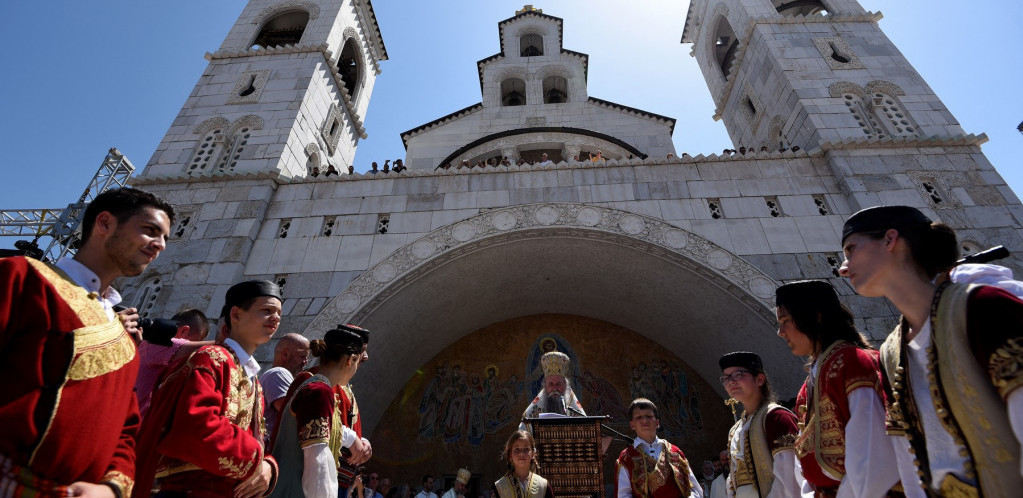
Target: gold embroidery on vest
{"points": [[100, 349], [1005, 367]]}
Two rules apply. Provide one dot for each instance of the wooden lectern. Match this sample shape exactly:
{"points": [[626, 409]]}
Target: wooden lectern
{"points": [[568, 450]]}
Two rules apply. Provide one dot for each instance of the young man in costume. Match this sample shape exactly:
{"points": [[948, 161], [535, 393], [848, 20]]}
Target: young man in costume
{"points": [[842, 445], [68, 367], [203, 436], [760, 444], [653, 467], [952, 367]]}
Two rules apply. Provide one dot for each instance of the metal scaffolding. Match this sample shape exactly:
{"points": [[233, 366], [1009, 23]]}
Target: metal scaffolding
{"points": [[63, 226]]}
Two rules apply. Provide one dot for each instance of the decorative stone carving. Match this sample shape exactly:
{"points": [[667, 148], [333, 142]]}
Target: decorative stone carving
{"points": [[835, 46], [744, 282], [211, 124], [250, 83], [332, 123], [273, 10]]}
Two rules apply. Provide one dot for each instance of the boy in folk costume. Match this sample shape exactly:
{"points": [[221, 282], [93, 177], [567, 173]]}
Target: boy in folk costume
{"points": [[653, 467], [763, 462], [204, 434]]}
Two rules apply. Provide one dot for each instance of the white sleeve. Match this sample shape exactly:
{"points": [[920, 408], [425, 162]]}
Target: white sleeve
{"points": [[348, 437], [870, 467], [624, 485], [697, 490], [907, 470], [319, 478], [788, 475], [1015, 406]]}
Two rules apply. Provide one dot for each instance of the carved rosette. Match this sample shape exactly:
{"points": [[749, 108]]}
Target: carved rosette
{"points": [[740, 279]]}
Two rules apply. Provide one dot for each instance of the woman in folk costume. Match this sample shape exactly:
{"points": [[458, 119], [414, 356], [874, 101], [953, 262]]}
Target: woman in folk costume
{"points": [[762, 459], [521, 480], [312, 433], [953, 365], [355, 450], [203, 435], [842, 445]]}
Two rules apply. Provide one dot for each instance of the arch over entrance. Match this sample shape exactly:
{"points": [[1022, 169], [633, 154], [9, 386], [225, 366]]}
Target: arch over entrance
{"points": [[689, 295]]}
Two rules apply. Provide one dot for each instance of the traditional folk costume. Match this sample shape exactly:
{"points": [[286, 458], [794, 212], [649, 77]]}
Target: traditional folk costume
{"points": [[204, 433], [760, 445], [954, 397], [954, 409], [842, 445], [655, 470], [67, 408], [510, 486], [553, 363], [311, 436]]}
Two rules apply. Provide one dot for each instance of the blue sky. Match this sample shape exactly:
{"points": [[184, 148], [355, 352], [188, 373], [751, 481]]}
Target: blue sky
{"points": [[85, 76]]}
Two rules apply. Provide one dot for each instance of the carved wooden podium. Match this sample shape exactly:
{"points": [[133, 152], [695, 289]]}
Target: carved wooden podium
{"points": [[568, 450]]}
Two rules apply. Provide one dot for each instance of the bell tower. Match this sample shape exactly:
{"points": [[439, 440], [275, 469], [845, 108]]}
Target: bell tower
{"points": [[286, 93], [802, 72]]}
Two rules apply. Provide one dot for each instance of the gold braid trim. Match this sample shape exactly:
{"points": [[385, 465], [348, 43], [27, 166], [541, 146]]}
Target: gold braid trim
{"points": [[1005, 367], [122, 482]]}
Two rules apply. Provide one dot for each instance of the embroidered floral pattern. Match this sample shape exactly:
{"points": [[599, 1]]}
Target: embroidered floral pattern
{"points": [[120, 480], [1005, 367], [315, 431]]}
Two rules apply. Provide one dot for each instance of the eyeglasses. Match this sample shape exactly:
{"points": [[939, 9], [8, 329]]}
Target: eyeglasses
{"points": [[735, 376]]}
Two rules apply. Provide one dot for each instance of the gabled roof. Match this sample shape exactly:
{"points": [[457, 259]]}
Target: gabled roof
{"points": [[532, 13], [378, 38], [443, 119], [480, 64], [640, 112]]}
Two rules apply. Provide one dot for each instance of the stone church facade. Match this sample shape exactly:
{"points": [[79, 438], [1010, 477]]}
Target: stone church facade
{"points": [[646, 266]]}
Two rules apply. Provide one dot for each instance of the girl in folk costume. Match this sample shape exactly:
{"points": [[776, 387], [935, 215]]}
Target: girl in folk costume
{"points": [[354, 450], [761, 456], [652, 467], [203, 435], [312, 433], [521, 480], [953, 365], [842, 445]]}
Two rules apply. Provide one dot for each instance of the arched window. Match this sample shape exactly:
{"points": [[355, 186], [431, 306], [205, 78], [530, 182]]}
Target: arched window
{"points": [[725, 45], [285, 28], [513, 92], [349, 65], [208, 152], [531, 45], [863, 118], [890, 112], [555, 90], [792, 8], [238, 142]]}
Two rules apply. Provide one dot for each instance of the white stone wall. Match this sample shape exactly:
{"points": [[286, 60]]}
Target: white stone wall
{"points": [[428, 148], [296, 93], [236, 229]]}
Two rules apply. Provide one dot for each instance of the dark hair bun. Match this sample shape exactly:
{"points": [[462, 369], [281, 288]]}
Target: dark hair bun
{"points": [[317, 347]]}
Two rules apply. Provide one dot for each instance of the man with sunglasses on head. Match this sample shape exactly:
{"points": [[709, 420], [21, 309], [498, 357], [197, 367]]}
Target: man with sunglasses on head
{"points": [[760, 444]]}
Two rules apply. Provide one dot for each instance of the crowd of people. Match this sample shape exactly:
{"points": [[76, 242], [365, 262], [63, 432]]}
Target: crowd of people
{"points": [[89, 408]]}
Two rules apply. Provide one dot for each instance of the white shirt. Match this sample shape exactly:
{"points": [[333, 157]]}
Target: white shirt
{"points": [[89, 281], [248, 362], [788, 473], [654, 451], [426, 494]]}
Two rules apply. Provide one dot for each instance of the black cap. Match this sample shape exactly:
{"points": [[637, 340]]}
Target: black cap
{"points": [[751, 361], [813, 294], [362, 333], [878, 218], [344, 337], [241, 293]]}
